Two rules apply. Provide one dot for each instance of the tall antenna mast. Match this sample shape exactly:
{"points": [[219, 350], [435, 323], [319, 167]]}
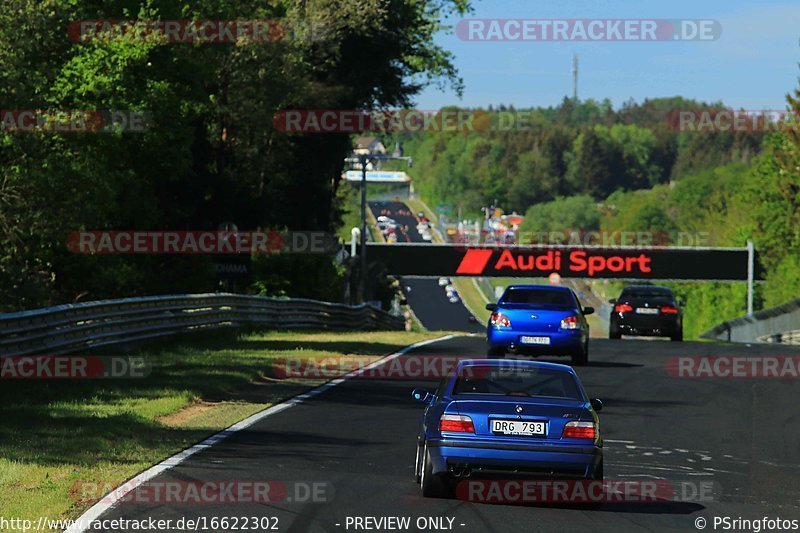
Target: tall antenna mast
{"points": [[575, 77]]}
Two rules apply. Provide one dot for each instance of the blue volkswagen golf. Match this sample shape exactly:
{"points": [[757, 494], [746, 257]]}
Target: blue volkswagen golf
{"points": [[507, 417], [539, 319]]}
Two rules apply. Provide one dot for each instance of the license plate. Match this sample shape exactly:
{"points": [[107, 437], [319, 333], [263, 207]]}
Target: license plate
{"points": [[646, 310], [525, 339], [519, 427]]}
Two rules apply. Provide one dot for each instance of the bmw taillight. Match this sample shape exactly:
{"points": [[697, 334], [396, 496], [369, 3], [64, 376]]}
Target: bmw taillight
{"points": [[456, 423], [570, 322], [623, 308], [499, 320], [579, 430], [669, 309]]}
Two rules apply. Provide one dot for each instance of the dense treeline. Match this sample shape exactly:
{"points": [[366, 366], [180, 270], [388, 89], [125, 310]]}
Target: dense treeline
{"points": [[209, 153], [577, 147], [722, 206]]}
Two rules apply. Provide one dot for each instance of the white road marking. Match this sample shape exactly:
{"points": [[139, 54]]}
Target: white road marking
{"points": [[111, 499]]}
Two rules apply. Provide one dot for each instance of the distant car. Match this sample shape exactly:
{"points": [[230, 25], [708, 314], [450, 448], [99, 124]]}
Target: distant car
{"points": [[498, 418], [539, 319], [646, 310], [444, 281], [427, 237], [453, 298]]}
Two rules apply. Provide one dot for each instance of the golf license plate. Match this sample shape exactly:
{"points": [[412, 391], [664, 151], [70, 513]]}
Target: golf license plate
{"points": [[526, 339], [647, 310], [519, 427]]}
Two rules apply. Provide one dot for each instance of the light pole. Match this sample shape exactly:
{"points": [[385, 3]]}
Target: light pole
{"points": [[363, 160]]}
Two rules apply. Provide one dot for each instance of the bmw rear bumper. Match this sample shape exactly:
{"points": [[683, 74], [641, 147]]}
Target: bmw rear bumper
{"points": [[635, 325], [578, 460]]}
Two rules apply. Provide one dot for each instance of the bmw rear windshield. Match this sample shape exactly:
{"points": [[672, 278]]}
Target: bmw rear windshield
{"points": [[515, 381], [543, 297], [647, 292]]}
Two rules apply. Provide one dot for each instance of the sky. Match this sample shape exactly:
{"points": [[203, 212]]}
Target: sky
{"points": [[752, 65]]}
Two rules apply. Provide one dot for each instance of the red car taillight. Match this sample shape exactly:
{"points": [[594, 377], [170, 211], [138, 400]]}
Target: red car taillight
{"points": [[623, 308], [457, 423], [579, 430], [500, 320], [669, 309], [570, 322]]}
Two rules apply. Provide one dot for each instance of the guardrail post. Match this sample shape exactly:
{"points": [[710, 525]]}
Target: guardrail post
{"points": [[355, 233], [750, 267]]}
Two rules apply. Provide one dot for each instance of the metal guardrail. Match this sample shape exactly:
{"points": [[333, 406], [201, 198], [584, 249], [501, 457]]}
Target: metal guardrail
{"points": [[71, 327], [779, 324]]}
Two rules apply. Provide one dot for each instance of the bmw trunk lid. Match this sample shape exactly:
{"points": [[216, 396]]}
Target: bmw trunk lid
{"points": [[554, 412]]}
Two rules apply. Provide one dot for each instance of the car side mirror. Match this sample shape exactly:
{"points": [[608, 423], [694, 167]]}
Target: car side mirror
{"points": [[588, 310], [597, 405], [422, 395], [681, 303], [491, 307], [612, 301]]}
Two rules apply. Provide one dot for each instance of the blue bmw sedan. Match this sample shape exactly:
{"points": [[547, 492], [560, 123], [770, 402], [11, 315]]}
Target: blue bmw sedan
{"points": [[539, 319], [502, 417]]}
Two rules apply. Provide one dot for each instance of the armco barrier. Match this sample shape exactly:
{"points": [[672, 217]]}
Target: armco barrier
{"points": [[779, 324], [71, 327]]}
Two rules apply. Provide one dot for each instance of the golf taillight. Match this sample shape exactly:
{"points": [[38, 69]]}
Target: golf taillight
{"points": [[579, 430], [500, 320], [669, 309], [456, 423], [569, 322], [623, 308]]}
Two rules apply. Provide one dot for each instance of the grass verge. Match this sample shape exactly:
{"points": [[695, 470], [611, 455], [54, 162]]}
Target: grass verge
{"points": [[57, 436], [473, 298]]}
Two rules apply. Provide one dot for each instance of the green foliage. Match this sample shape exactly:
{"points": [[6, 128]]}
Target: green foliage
{"points": [[708, 208], [575, 148], [573, 213], [210, 153], [298, 276], [708, 304]]}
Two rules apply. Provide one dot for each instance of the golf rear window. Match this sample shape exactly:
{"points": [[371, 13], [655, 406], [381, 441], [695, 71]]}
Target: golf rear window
{"points": [[524, 382], [538, 296]]}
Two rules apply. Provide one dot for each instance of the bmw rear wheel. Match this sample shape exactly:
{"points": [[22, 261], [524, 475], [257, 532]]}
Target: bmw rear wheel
{"points": [[418, 464], [598, 495], [433, 486]]}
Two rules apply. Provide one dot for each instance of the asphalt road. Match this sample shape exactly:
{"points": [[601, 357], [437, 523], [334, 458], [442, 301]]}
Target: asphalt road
{"points": [[426, 298], [740, 435]]}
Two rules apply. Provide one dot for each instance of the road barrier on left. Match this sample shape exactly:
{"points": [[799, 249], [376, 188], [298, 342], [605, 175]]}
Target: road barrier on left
{"points": [[71, 327]]}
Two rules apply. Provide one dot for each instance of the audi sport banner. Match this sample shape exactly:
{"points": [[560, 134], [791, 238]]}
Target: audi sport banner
{"points": [[654, 263]]}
